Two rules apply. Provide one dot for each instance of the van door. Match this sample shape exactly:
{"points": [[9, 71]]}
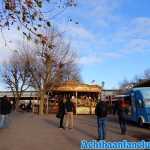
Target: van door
{"points": [[139, 105], [129, 105], [133, 107]]}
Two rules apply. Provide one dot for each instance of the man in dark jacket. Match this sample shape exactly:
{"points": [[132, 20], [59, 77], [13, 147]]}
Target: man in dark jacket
{"points": [[121, 109], [61, 112], [101, 113], [5, 109]]}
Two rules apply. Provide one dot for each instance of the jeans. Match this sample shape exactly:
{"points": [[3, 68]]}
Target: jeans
{"points": [[101, 122], [3, 121]]}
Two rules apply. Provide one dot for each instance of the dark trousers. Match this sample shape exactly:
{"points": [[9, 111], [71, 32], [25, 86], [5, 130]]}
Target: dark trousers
{"points": [[61, 120], [123, 125]]}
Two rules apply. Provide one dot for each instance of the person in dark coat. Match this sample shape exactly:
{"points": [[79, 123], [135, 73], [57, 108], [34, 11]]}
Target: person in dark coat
{"points": [[61, 112], [5, 109], [101, 113], [29, 107], [122, 111]]}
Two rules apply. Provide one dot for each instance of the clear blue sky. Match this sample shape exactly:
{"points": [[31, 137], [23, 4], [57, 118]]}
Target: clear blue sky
{"points": [[112, 38]]}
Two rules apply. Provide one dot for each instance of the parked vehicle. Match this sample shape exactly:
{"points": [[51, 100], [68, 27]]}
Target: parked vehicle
{"points": [[138, 102]]}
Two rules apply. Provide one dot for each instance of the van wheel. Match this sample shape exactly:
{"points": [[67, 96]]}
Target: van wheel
{"points": [[140, 123]]}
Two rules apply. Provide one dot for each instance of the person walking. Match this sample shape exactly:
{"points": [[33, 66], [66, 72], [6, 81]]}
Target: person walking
{"points": [[101, 113], [5, 109], [121, 109], [61, 112], [69, 113], [29, 107]]}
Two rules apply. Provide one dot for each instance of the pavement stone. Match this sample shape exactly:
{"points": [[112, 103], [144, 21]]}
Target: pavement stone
{"points": [[29, 131]]}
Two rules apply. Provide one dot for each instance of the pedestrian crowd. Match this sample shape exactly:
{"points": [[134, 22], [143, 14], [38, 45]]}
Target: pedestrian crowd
{"points": [[67, 107], [101, 111], [66, 110]]}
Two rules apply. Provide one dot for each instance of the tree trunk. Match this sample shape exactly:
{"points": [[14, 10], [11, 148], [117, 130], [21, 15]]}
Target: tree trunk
{"points": [[17, 103], [41, 109]]}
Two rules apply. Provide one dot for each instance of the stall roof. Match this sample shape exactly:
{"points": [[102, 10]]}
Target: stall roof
{"points": [[69, 86], [73, 86]]}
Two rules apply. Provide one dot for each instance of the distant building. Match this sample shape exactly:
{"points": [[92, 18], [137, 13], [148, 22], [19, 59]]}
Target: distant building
{"points": [[108, 95]]}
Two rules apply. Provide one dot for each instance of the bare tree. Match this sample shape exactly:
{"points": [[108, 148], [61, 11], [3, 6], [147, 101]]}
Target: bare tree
{"points": [[41, 66], [16, 76], [147, 74], [124, 84], [137, 80], [29, 16], [46, 64], [71, 72]]}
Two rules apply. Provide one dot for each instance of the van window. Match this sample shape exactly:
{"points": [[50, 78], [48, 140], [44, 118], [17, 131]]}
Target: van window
{"points": [[147, 103], [139, 103], [145, 93]]}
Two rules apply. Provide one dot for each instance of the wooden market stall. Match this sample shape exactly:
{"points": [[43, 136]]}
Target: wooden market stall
{"points": [[85, 96]]}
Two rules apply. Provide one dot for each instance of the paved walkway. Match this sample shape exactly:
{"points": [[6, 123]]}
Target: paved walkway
{"points": [[32, 132]]}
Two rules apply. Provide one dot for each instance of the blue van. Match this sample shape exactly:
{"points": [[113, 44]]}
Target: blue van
{"points": [[139, 105]]}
